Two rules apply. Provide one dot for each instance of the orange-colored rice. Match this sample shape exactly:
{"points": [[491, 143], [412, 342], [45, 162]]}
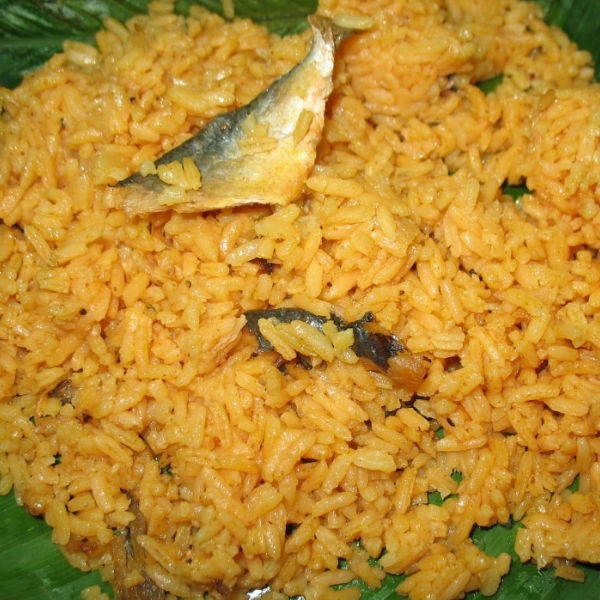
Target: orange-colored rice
{"points": [[403, 215]]}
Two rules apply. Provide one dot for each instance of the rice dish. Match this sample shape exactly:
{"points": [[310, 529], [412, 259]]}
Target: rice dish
{"points": [[135, 405]]}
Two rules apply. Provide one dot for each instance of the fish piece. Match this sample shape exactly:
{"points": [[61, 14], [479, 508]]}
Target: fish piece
{"points": [[407, 370], [283, 315], [233, 170], [128, 556], [64, 391], [371, 341]]}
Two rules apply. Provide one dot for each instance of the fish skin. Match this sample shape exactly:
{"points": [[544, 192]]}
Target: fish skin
{"points": [[369, 343], [273, 177], [128, 555]]}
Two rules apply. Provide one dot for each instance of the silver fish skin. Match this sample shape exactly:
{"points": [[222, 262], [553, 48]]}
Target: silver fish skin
{"points": [[273, 177]]}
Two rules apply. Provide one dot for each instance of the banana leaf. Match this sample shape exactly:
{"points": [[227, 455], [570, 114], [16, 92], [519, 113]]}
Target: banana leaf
{"points": [[31, 31]]}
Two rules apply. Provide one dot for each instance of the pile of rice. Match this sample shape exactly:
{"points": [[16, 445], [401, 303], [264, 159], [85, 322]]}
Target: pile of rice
{"points": [[126, 369]]}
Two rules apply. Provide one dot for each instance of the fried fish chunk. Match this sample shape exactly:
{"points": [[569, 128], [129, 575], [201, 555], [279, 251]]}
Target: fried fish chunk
{"points": [[233, 170]]}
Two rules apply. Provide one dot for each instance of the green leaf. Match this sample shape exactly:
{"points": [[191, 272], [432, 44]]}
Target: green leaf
{"points": [[435, 498], [387, 591], [31, 31], [282, 17], [489, 85], [516, 191], [526, 581], [545, 4], [580, 19], [31, 566]]}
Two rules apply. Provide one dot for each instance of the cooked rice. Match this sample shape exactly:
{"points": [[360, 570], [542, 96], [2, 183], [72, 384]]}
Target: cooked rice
{"points": [[248, 474]]}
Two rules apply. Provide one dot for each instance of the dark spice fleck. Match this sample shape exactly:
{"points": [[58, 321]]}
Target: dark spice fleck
{"points": [[64, 391], [264, 265]]}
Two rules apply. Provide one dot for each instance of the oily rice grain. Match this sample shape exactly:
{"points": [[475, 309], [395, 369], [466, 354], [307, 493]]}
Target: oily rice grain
{"points": [[125, 350]]}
